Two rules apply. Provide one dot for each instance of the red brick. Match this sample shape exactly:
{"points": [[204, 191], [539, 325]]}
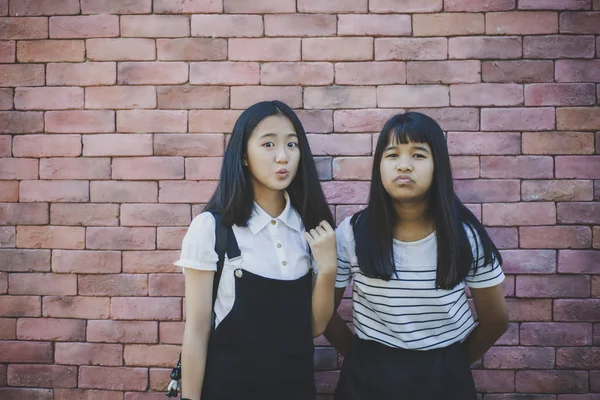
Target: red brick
{"points": [[120, 238], [262, 7], [186, 191], [486, 94], [150, 262], [557, 190], [50, 51], [517, 119], [485, 47], [113, 378], [43, 7], [76, 307], [113, 285], [43, 284], [553, 286], [8, 329], [6, 103], [411, 49], [297, 74], [578, 262], [155, 215], [519, 214], [83, 394], [192, 97], [48, 98], [478, 5], [116, 7], [84, 74], [227, 25], [117, 145], [556, 334], [85, 214], [407, 96], [487, 191], [346, 192], [84, 26], [23, 28], [578, 118], [4, 11], [15, 168], [525, 71], [408, 6], [52, 376], [203, 145], [139, 308], [8, 53], [465, 167], [114, 97], [170, 238], [578, 358], [340, 144], [448, 24], [519, 358], [300, 25], [89, 354], [352, 168], [528, 167], [160, 73], [75, 168], [22, 75], [558, 46], [188, 6], [377, 25], [494, 381], [24, 394], [554, 143], [8, 236], [50, 329], [123, 192], [596, 293], [80, 121], [521, 23], [580, 22], [529, 310], [578, 167], [552, 381], [159, 378], [370, 73], [50, 237], [192, 49], [554, 4], [171, 332], [573, 213], [13, 260], [316, 121], [54, 191], [444, 72], [26, 352], [152, 121], [577, 310], [224, 73], [529, 261], [20, 306], [340, 97], [122, 331], [337, 49], [146, 168], [243, 97], [463, 143], [121, 49], [264, 49], [203, 168], [47, 146], [332, 6], [9, 191], [155, 356], [152, 26], [5, 146], [454, 119], [551, 237], [146, 395], [15, 122], [86, 262]]}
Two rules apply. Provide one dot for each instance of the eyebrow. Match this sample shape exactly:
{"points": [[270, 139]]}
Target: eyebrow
{"points": [[421, 148], [274, 134]]}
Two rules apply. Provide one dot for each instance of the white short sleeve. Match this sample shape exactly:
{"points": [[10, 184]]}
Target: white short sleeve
{"points": [[198, 247], [345, 248], [486, 275]]}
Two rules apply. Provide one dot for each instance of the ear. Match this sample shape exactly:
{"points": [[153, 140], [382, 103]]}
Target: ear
{"points": [[245, 161]]}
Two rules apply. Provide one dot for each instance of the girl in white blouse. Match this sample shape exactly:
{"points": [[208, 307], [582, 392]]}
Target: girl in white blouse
{"points": [[270, 300], [411, 253]]}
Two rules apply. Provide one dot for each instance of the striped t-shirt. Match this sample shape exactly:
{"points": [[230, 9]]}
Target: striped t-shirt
{"points": [[408, 311]]}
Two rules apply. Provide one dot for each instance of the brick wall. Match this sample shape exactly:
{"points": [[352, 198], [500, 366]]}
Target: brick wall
{"points": [[113, 128]]}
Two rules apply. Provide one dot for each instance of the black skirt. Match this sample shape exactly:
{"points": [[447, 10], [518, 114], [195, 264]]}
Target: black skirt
{"points": [[373, 371]]}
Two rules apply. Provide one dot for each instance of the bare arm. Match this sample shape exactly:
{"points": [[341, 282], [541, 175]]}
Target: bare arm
{"points": [[493, 321], [198, 301], [337, 332]]}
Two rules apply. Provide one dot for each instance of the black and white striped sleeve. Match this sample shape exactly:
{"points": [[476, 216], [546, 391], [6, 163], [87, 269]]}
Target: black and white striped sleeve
{"points": [[345, 241], [485, 275]]}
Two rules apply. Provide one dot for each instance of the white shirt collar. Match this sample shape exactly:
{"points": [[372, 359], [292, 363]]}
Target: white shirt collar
{"points": [[289, 216]]}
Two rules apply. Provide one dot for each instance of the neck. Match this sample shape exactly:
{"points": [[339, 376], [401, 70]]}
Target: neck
{"points": [[414, 220], [272, 201]]}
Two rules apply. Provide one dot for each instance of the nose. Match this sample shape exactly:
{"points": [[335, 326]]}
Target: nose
{"points": [[282, 156], [404, 164]]}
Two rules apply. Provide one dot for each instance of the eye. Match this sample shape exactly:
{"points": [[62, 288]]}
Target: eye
{"points": [[268, 144], [421, 156], [391, 155], [292, 144]]}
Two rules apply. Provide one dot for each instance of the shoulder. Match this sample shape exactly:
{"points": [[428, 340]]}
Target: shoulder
{"points": [[344, 232], [202, 225]]}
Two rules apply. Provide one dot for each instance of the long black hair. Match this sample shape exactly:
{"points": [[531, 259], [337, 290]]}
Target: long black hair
{"points": [[234, 196], [374, 226]]}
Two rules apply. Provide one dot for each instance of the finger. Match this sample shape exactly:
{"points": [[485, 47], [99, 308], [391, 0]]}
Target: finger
{"points": [[325, 225], [308, 238], [314, 233], [320, 231]]}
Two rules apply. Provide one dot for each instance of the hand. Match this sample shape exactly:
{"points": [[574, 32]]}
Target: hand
{"points": [[321, 240]]}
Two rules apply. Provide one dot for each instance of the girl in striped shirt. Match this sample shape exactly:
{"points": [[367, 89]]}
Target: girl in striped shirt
{"points": [[411, 253]]}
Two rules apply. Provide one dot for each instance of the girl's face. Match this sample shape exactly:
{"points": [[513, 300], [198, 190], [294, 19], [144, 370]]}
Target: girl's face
{"points": [[406, 170], [272, 155]]}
